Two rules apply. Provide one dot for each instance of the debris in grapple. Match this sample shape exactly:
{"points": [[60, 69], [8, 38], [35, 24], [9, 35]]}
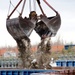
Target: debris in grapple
{"points": [[21, 28]]}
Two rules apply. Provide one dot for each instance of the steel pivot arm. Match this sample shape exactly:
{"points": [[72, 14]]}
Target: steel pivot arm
{"points": [[38, 1]]}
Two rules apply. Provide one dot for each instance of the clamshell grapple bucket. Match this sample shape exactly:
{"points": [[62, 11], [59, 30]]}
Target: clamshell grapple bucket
{"points": [[48, 26], [53, 24], [43, 25], [19, 27]]}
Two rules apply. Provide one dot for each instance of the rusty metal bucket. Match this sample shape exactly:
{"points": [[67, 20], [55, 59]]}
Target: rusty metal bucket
{"points": [[48, 26], [19, 27]]}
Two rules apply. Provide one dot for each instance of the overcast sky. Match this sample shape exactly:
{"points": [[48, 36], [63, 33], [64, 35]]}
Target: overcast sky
{"points": [[66, 8]]}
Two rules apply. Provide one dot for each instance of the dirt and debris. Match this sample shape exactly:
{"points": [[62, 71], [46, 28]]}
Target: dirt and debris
{"points": [[25, 53], [43, 54], [38, 60]]}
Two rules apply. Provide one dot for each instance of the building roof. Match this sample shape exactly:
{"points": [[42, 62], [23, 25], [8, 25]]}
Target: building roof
{"points": [[54, 48], [4, 50]]}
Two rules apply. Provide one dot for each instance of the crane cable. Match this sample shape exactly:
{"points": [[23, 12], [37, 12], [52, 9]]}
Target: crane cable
{"points": [[34, 2], [38, 1], [22, 8], [30, 5], [10, 7], [34, 5]]}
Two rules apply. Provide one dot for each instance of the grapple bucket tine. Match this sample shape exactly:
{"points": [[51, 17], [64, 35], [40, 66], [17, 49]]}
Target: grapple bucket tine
{"points": [[19, 27]]}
